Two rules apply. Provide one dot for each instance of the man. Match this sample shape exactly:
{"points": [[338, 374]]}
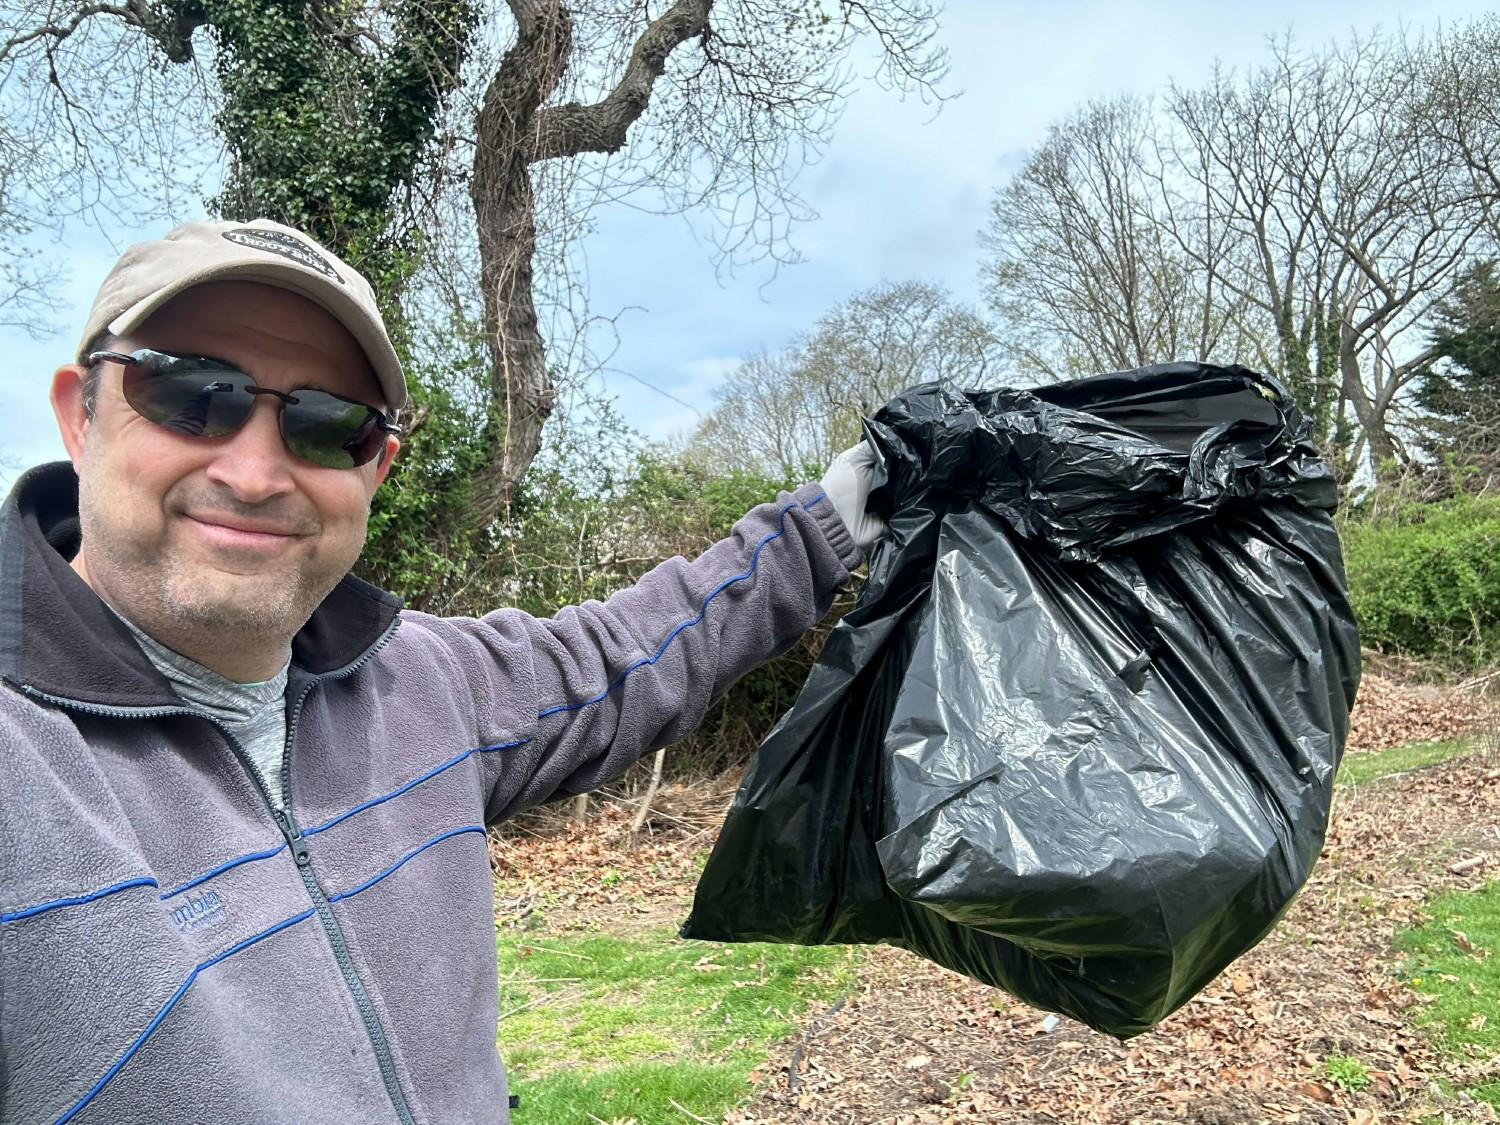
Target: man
{"points": [[243, 868]]}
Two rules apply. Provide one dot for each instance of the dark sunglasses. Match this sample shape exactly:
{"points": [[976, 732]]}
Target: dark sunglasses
{"points": [[195, 395]]}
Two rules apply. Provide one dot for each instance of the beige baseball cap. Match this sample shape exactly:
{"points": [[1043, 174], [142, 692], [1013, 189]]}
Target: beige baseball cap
{"points": [[149, 274]]}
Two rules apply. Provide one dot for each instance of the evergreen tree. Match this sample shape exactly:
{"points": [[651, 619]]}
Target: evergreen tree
{"points": [[1459, 391]]}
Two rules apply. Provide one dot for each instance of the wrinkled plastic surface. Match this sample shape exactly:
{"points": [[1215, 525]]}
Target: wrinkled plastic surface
{"points": [[1077, 738]]}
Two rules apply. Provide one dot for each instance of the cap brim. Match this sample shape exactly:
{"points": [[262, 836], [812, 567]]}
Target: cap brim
{"points": [[326, 294]]}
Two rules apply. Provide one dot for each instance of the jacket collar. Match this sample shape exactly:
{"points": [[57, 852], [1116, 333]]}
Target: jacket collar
{"points": [[59, 639]]}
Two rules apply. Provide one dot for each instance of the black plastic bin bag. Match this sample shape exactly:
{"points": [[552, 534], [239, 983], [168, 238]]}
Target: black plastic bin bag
{"points": [[1077, 738]]}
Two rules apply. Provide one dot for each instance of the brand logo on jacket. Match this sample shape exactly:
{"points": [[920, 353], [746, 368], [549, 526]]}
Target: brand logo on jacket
{"points": [[200, 910]]}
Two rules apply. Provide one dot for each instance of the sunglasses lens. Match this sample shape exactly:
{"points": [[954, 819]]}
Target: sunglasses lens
{"points": [[205, 398], [327, 430], [188, 394]]}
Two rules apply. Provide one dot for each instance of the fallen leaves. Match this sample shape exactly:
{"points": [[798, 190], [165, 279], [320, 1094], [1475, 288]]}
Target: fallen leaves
{"points": [[1461, 940], [571, 869], [915, 1044], [1381, 1085], [1317, 1092], [1388, 712], [1464, 866], [1252, 1048]]}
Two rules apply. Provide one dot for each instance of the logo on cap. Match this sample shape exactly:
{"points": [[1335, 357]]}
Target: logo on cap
{"points": [[275, 242]]}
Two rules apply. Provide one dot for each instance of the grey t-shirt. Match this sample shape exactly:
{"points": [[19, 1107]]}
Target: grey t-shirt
{"points": [[254, 714]]}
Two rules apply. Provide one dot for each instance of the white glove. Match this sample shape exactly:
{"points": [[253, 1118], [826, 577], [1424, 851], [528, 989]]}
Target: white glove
{"points": [[847, 483]]}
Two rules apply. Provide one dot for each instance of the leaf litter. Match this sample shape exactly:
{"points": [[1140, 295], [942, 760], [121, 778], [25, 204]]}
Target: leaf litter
{"points": [[913, 1043]]}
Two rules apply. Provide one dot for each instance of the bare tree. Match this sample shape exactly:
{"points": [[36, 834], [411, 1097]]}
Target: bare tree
{"points": [[1086, 273], [1460, 108], [1301, 217], [82, 99], [1359, 217], [742, 93], [766, 420], [788, 413], [891, 337], [28, 277]]}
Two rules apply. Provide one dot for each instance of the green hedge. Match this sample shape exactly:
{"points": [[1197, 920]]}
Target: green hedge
{"points": [[1426, 581]]}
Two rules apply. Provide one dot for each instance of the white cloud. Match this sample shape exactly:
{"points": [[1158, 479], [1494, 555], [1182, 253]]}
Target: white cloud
{"points": [[709, 369], [672, 425]]}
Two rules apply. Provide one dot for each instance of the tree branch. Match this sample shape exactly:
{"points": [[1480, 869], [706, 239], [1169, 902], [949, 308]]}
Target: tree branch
{"points": [[570, 129], [133, 12]]}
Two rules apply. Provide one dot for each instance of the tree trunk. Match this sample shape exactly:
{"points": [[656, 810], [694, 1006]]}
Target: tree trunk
{"points": [[504, 210], [514, 131], [519, 379], [1371, 419]]}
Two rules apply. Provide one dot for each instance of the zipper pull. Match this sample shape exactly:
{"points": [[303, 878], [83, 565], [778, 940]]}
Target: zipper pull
{"points": [[293, 836]]}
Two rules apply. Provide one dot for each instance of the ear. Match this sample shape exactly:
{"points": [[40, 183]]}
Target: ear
{"points": [[383, 462], [67, 405]]}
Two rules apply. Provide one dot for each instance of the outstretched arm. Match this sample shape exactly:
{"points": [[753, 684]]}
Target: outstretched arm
{"points": [[570, 701]]}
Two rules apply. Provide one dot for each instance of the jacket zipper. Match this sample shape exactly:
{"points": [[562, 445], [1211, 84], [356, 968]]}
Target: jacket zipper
{"points": [[287, 823]]}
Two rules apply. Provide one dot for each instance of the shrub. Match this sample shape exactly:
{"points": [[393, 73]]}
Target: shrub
{"points": [[1425, 580], [673, 507]]}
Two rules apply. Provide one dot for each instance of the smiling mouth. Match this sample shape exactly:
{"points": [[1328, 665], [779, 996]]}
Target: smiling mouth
{"points": [[230, 535]]}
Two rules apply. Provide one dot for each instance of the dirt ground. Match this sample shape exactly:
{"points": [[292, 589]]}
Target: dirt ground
{"points": [[914, 1043], [918, 1044]]}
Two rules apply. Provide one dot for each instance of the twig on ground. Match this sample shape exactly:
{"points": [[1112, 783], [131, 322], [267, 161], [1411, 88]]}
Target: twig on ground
{"points": [[1478, 681], [645, 809], [814, 1029], [685, 825], [689, 1112], [559, 952], [529, 1004]]}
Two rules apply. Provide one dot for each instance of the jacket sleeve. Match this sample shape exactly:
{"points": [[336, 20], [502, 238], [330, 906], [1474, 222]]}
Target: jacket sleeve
{"points": [[571, 701]]}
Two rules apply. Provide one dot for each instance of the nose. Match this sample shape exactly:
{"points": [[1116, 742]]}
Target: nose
{"points": [[253, 462]]}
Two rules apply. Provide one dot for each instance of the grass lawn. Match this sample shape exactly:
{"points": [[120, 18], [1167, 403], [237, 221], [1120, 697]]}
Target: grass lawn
{"points": [[1455, 959], [649, 1028], [1370, 765]]}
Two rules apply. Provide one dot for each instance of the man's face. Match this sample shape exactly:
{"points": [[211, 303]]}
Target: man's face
{"points": [[202, 540]]}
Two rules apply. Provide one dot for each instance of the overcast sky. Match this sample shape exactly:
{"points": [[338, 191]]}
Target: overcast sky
{"points": [[902, 193]]}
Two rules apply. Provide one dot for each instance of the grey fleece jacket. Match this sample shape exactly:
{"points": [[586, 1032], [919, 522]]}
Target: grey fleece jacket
{"points": [[170, 951]]}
